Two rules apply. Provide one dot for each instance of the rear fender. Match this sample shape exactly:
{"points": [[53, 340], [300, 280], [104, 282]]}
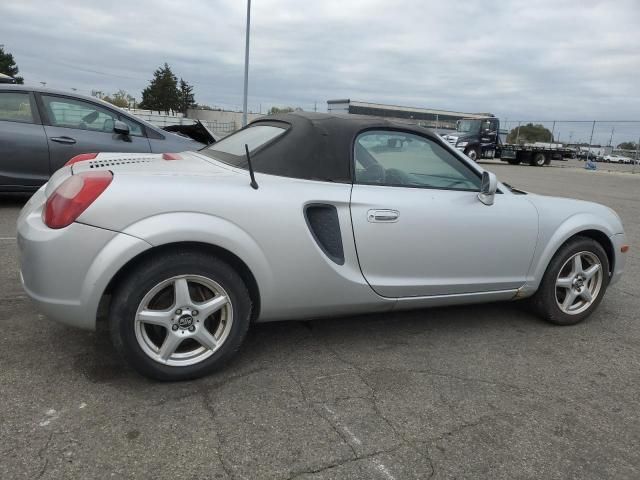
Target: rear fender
{"points": [[207, 229]]}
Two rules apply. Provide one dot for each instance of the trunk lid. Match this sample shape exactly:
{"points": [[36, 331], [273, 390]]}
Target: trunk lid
{"points": [[185, 163]]}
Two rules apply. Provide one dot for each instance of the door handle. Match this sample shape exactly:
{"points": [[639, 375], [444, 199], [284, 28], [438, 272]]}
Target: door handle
{"points": [[383, 216], [67, 140]]}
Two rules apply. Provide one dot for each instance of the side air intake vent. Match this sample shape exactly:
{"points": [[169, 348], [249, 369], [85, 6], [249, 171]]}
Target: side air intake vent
{"points": [[323, 222]]}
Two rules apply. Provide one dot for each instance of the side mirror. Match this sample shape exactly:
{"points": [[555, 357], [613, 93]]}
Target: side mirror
{"points": [[121, 127], [488, 188]]}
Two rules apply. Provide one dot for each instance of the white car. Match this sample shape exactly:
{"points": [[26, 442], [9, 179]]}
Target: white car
{"points": [[617, 159]]}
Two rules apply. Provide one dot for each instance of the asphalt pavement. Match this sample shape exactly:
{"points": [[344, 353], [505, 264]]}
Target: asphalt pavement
{"points": [[468, 392]]}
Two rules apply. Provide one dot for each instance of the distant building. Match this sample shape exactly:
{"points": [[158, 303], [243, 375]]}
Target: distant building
{"points": [[422, 116]]}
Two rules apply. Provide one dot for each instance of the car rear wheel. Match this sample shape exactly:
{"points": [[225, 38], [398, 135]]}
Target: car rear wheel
{"points": [[574, 283], [179, 316]]}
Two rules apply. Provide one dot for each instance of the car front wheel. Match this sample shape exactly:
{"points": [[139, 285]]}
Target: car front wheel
{"points": [[574, 283], [179, 316]]}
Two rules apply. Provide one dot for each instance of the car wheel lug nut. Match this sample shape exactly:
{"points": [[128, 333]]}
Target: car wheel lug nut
{"points": [[174, 327], [195, 312], [178, 311], [192, 328]]}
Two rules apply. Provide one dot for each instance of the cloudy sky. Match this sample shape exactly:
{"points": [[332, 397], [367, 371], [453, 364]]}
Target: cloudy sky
{"points": [[549, 59]]}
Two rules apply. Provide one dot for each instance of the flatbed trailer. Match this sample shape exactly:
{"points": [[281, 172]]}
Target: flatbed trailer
{"points": [[479, 138], [530, 154]]}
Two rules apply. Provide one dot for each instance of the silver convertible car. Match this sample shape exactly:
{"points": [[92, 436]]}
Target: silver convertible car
{"points": [[298, 216]]}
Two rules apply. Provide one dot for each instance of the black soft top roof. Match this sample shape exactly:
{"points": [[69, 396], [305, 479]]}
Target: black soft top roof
{"points": [[318, 146]]}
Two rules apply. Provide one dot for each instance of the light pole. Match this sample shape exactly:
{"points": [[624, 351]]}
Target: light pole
{"points": [[246, 65]]}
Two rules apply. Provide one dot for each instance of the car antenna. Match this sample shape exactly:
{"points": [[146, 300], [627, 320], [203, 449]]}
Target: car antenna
{"points": [[253, 183]]}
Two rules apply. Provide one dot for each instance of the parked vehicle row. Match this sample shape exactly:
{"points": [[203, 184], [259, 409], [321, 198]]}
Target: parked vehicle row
{"points": [[298, 216], [41, 129], [611, 158]]}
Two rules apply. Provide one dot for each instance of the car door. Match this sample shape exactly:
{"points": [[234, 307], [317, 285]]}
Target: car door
{"points": [[24, 154], [75, 126], [419, 227]]}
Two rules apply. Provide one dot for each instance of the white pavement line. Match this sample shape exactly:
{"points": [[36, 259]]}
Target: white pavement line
{"points": [[50, 415], [344, 428], [8, 238], [383, 469]]}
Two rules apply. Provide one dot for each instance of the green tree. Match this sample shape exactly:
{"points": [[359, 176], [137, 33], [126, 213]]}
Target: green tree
{"points": [[530, 133], [120, 99], [276, 110], [162, 94], [8, 66], [628, 146], [187, 99]]}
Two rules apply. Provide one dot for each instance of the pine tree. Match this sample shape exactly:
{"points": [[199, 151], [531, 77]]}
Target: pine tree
{"points": [[8, 66], [162, 94], [187, 99]]}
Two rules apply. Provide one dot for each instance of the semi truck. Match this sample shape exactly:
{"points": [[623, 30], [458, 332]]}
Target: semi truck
{"points": [[480, 138]]}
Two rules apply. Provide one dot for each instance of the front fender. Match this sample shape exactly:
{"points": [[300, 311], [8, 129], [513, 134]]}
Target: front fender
{"points": [[550, 242], [178, 227]]}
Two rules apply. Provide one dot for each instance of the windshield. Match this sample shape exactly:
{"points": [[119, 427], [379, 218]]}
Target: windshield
{"points": [[466, 126], [231, 149]]}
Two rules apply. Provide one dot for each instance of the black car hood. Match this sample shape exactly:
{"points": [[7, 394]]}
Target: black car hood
{"points": [[196, 131]]}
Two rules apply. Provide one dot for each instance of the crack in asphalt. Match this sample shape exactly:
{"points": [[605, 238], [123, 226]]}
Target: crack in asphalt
{"points": [[41, 452], [360, 372], [207, 402], [295, 475], [313, 407]]}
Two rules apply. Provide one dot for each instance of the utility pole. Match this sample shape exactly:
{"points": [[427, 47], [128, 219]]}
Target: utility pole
{"points": [[593, 127], [553, 129], [246, 65], [611, 138]]}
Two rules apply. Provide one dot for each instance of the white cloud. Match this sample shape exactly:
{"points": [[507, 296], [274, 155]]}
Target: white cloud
{"points": [[521, 59]]}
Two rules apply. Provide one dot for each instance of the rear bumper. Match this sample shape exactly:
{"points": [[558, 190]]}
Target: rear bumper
{"points": [[66, 271]]}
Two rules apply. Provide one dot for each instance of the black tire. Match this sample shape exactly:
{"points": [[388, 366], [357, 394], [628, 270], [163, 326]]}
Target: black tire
{"points": [[538, 159], [150, 272], [474, 153], [514, 161], [544, 301]]}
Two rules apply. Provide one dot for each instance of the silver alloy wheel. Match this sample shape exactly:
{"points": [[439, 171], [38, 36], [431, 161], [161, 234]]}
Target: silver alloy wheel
{"points": [[579, 283], [539, 159], [189, 328]]}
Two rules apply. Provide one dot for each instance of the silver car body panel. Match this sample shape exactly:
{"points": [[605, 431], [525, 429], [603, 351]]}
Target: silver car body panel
{"points": [[153, 202]]}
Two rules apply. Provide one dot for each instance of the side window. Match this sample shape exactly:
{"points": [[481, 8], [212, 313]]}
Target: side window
{"points": [[15, 107], [72, 113], [135, 128], [402, 159]]}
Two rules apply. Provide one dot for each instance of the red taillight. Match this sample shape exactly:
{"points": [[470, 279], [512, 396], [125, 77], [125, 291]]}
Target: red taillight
{"points": [[73, 197], [80, 158], [171, 156]]}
